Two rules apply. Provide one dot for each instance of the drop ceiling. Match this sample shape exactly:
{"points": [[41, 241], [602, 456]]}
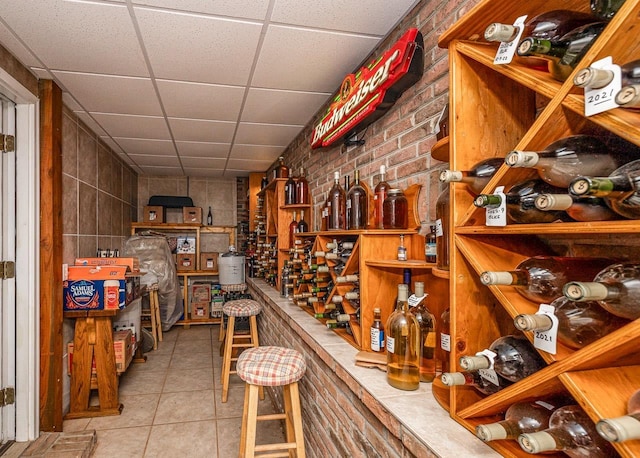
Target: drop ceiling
{"points": [[196, 87]]}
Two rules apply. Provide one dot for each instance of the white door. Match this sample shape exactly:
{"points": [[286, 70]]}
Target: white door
{"points": [[7, 253]]}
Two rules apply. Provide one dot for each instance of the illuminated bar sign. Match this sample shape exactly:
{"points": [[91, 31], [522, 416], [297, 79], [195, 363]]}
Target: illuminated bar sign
{"points": [[367, 95]]}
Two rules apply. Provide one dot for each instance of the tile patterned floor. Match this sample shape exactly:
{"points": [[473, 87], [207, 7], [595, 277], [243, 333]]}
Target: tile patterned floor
{"points": [[172, 404]]}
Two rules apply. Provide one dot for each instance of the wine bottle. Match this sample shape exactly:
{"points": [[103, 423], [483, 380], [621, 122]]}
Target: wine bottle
{"points": [[347, 210], [282, 171], [570, 431], [293, 229], [303, 226], [444, 331], [302, 189], [380, 194], [475, 380], [403, 345], [605, 9], [430, 249], [520, 202], [209, 218], [616, 288], [427, 323], [511, 357], [578, 208], [377, 332], [626, 427], [443, 124], [264, 182], [542, 278], [599, 77], [620, 189], [579, 323], [353, 278], [337, 202], [359, 203], [521, 417], [290, 191], [477, 177], [564, 54], [442, 230], [566, 159]]}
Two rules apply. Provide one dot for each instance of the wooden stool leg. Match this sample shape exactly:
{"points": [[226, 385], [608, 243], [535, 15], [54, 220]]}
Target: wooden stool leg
{"points": [[297, 419], [288, 416], [253, 328], [226, 360], [251, 423], [158, 328], [245, 417]]}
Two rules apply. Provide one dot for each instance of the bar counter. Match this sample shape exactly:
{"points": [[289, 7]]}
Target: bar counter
{"points": [[350, 410]]}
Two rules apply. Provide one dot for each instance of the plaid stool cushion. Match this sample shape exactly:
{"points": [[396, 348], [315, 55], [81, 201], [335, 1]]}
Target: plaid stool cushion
{"points": [[242, 307], [234, 288], [270, 366]]}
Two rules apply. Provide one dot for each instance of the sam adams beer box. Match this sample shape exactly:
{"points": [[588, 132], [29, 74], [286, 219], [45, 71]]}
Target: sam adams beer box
{"points": [[99, 288]]}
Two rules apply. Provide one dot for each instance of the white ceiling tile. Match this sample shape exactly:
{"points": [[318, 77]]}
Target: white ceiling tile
{"points": [[249, 9], [162, 171], [91, 124], [113, 145], [78, 36], [282, 107], [266, 134], [207, 163], [133, 126], [200, 101], [203, 172], [258, 152], [251, 165], [24, 55], [116, 94], [198, 48], [372, 17], [156, 161], [316, 61], [70, 102], [147, 146], [203, 149], [197, 130]]}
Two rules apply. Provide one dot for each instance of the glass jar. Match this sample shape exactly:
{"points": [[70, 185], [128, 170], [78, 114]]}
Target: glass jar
{"points": [[394, 210]]}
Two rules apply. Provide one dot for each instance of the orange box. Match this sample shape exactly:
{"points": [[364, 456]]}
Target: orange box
{"points": [[192, 215], [122, 349], [99, 288], [132, 263], [209, 261], [199, 310], [153, 214], [186, 262]]}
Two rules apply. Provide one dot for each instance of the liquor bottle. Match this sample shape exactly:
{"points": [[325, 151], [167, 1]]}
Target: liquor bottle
{"points": [[444, 331], [521, 417], [605, 9], [578, 208], [430, 250], [337, 205], [282, 171], [403, 345], [570, 431], [302, 189], [324, 215], [616, 288], [303, 226], [347, 211], [564, 54], [442, 230], [475, 380], [541, 278], [209, 218], [377, 332], [512, 357], [579, 323], [568, 158], [427, 323], [284, 280], [380, 194], [597, 78], [395, 210], [290, 191], [359, 203], [293, 229], [520, 202], [353, 278], [477, 177], [623, 428], [402, 250], [620, 189], [264, 182]]}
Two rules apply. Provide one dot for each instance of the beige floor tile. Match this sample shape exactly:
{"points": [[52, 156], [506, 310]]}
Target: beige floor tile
{"points": [[139, 410], [188, 380], [171, 335], [141, 382], [192, 346], [122, 443], [185, 406], [193, 439], [77, 424], [155, 362], [235, 402], [197, 332], [191, 361], [230, 429]]}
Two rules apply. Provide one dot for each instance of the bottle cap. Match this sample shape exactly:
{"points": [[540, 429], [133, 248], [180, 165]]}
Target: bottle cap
{"points": [[452, 378], [521, 159], [496, 278], [553, 202], [619, 429], [448, 176], [473, 363], [383, 170], [537, 442], [500, 32], [419, 288], [585, 291], [593, 77], [628, 95], [537, 322], [491, 432]]}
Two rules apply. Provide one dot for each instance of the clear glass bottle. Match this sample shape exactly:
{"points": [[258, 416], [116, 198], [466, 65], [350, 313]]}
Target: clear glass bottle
{"points": [[578, 208], [623, 428], [303, 226], [402, 250], [293, 229], [379, 195], [337, 205], [541, 278], [605, 9], [403, 345], [579, 323], [427, 322], [377, 331], [475, 380], [395, 210], [444, 347], [477, 177], [282, 171], [290, 191], [357, 196], [430, 249], [442, 230], [616, 288], [302, 189], [570, 431]]}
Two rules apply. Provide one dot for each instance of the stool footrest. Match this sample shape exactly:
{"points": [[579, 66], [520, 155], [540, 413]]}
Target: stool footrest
{"points": [[278, 446], [271, 416], [243, 345], [274, 455]]}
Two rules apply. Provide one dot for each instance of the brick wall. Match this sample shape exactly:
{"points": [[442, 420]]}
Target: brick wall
{"points": [[242, 211]]}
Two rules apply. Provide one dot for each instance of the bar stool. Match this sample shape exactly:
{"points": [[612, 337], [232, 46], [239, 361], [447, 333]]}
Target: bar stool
{"points": [[235, 288], [271, 366], [233, 309]]}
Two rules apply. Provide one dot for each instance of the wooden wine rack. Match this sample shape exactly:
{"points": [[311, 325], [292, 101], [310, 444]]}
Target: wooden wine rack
{"points": [[493, 111]]}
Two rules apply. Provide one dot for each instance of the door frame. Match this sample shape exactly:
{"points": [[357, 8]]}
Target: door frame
{"points": [[27, 239]]}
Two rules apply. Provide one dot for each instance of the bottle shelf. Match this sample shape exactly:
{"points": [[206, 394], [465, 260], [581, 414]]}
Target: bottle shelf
{"points": [[440, 150], [394, 264]]}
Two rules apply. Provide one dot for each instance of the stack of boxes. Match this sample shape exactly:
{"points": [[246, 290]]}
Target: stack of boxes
{"points": [[200, 296], [186, 254], [217, 301]]}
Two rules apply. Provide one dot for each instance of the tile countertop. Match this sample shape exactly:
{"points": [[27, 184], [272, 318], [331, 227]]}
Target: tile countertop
{"points": [[418, 411]]}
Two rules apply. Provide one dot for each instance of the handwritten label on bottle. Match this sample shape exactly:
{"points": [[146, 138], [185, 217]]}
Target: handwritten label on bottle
{"points": [[497, 215], [507, 49], [391, 344], [439, 228], [445, 342], [597, 100], [489, 374], [546, 340]]}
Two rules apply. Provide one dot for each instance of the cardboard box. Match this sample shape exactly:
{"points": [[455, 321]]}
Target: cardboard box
{"points": [[133, 264], [99, 288], [186, 244], [199, 310], [122, 348], [209, 261], [153, 214], [192, 215], [186, 262], [216, 307], [200, 292]]}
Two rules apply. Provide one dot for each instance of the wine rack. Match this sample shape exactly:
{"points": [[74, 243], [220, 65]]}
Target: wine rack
{"points": [[514, 107]]}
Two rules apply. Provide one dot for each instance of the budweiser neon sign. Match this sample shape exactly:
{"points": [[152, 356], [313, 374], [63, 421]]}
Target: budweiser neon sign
{"points": [[367, 95]]}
